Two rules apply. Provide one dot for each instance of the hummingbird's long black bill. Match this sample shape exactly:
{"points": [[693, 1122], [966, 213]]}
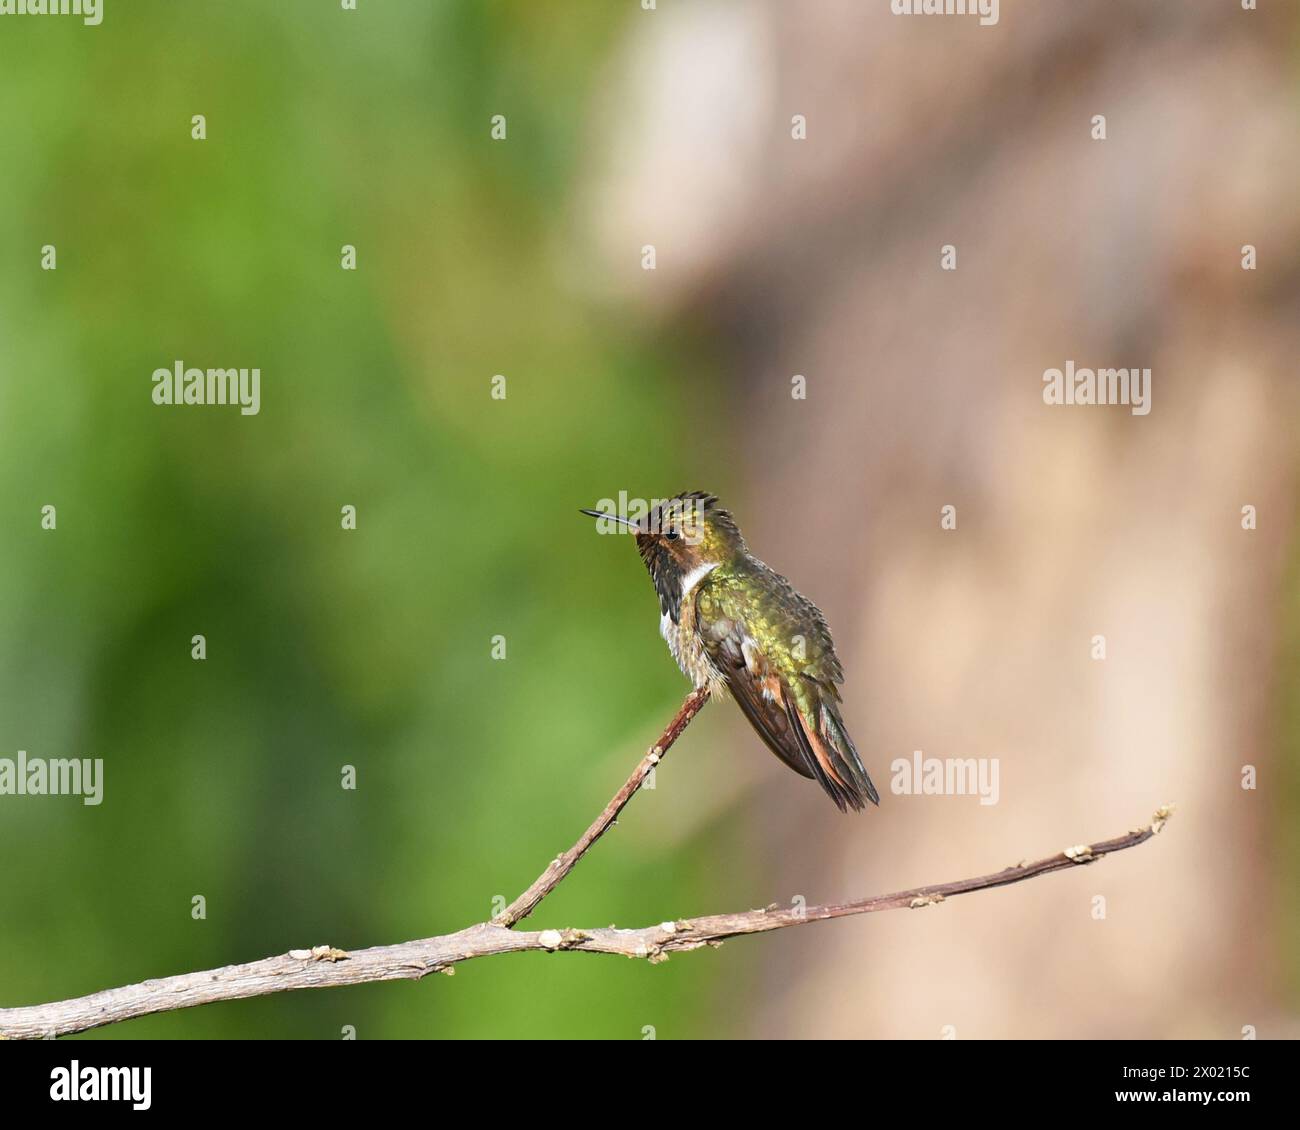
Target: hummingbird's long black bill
{"points": [[613, 518]]}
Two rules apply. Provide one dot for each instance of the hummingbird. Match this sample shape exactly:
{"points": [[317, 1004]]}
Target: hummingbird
{"points": [[735, 625]]}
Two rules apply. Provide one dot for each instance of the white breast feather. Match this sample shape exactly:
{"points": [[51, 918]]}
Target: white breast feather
{"points": [[695, 576], [690, 655]]}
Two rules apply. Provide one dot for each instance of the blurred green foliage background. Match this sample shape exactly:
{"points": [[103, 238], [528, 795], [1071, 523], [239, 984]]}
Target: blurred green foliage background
{"points": [[325, 647]]}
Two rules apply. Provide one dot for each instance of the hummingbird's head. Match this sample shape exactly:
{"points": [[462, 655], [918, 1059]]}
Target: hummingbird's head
{"points": [[681, 540]]}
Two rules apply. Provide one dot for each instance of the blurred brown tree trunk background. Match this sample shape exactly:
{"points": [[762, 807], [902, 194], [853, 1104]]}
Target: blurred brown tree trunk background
{"points": [[924, 389]]}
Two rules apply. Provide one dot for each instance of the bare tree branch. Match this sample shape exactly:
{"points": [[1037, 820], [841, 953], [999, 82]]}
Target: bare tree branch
{"points": [[549, 879], [326, 967]]}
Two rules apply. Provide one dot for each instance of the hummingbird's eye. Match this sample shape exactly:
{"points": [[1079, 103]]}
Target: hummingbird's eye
{"points": [[672, 535]]}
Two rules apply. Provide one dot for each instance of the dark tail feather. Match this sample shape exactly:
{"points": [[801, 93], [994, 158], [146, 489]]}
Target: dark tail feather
{"points": [[830, 755], [849, 764]]}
